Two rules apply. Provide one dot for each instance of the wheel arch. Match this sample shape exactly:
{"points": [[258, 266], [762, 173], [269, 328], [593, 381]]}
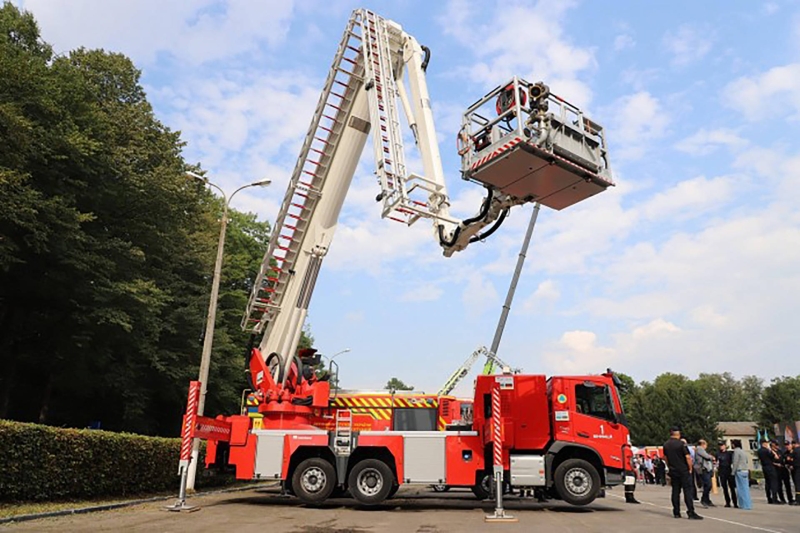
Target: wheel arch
{"points": [[561, 451], [306, 452], [381, 453]]}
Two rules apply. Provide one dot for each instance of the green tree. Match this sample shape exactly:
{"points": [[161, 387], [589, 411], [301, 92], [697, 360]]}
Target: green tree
{"points": [[106, 249], [753, 392], [671, 399], [781, 402], [396, 384]]}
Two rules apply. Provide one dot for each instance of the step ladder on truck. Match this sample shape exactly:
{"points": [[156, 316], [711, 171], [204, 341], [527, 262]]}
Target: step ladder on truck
{"points": [[523, 145]]}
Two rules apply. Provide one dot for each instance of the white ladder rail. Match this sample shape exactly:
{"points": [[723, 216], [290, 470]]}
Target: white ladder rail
{"points": [[306, 183]]}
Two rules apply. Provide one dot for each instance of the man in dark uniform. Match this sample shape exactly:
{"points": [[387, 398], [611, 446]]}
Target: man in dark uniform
{"points": [[767, 459], [784, 474], [726, 479], [796, 466], [679, 462], [661, 472]]}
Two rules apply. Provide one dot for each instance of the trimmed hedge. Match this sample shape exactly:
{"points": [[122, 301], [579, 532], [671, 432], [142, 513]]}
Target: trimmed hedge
{"points": [[47, 463]]}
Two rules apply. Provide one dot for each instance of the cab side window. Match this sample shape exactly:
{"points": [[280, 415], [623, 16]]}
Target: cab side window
{"points": [[593, 401]]}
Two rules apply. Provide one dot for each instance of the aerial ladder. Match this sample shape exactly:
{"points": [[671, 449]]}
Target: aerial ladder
{"points": [[463, 371], [509, 143]]}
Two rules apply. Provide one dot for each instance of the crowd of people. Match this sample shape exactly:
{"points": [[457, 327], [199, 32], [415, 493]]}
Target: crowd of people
{"points": [[690, 469]]}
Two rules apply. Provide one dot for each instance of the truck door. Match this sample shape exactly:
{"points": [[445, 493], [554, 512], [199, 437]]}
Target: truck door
{"points": [[595, 423]]}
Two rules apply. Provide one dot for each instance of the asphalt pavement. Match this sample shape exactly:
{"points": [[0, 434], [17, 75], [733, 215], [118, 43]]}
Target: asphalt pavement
{"points": [[423, 511]]}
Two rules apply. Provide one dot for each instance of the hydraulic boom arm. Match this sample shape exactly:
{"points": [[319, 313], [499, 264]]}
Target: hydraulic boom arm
{"points": [[359, 98]]}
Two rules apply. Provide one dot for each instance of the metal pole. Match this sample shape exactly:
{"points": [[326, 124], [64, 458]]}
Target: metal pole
{"points": [[208, 341], [497, 448], [211, 318], [187, 436], [501, 324]]}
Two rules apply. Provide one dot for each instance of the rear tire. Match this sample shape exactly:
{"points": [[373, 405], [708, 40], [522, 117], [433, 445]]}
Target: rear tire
{"points": [[577, 482], [314, 480], [440, 488], [371, 481]]}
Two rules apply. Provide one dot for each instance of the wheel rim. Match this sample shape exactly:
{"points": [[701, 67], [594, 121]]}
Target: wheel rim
{"points": [[369, 482], [578, 481], [314, 479]]}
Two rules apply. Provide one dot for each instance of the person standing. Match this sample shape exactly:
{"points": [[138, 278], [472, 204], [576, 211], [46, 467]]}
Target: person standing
{"points": [[725, 471], [704, 464], [783, 465], [796, 465], [695, 481], [742, 475], [661, 472], [679, 462], [630, 483], [767, 459]]}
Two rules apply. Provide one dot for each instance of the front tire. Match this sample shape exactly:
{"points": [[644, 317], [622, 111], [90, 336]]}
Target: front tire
{"points": [[577, 482], [371, 481], [314, 480]]}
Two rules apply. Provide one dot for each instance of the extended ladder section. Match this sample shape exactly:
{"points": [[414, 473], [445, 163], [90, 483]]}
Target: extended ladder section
{"points": [[306, 184], [523, 154], [371, 57], [406, 197]]}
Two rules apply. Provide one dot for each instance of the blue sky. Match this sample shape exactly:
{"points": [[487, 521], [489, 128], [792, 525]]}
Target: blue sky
{"points": [[690, 264]]}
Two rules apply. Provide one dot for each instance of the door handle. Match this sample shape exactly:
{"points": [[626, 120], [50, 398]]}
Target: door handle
{"points": [[582, 434]]}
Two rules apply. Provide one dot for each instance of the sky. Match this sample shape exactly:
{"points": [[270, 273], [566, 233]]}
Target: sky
{"points": [[690, 264]]}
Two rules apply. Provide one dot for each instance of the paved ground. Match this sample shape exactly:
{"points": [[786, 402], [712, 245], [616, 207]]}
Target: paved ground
{"points": [[422, 511]]}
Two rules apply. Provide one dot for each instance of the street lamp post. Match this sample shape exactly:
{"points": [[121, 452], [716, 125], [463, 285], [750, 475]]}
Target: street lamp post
{"points": [[208, 338], [330, 367]]}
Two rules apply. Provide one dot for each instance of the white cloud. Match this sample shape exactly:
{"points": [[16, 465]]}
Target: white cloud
{"points": [[770, 8], [538, 31], [687, 44], [479, 295], [578, 352], [690, 198], [427, 292], [546, 294], [774, 93], [623, 41], [704, 141], [637, 120], [195, 32]]}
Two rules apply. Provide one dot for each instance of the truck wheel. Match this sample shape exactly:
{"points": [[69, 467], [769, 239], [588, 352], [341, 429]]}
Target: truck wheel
{"points": [[392, 492], [314, 480], [440, 488], [371, 481], [483, 486], [577, 482]]}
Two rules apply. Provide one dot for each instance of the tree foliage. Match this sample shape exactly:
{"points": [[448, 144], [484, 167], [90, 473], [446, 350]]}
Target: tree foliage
{"points": [[106, 248], [698, 405], [397, 384], [780, 402]]}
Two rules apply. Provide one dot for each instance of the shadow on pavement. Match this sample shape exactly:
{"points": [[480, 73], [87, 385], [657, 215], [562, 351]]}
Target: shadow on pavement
{"points": [[416, 503]]}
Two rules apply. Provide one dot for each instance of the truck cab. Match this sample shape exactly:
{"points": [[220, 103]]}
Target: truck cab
{"points": [[563, 435]]}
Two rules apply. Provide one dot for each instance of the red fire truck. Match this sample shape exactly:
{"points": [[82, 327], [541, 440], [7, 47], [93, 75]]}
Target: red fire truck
{"points": [[563, 435]]}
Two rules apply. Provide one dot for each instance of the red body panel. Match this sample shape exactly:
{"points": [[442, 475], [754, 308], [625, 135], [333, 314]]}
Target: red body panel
{"points": [[292, 442], [243, 458], [460, 470], [606, 437]]}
